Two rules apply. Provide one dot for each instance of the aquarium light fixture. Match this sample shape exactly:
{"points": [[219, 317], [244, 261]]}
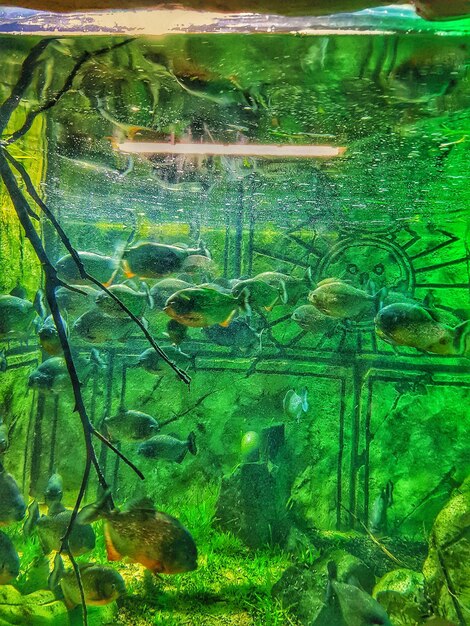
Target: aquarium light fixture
{"points": [[237, 150]]}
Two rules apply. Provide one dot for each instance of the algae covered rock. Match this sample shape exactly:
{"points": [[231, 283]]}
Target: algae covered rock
{"points": [[303, 588], [36, 609], [447, 568], [41, 608], [401, 593]]}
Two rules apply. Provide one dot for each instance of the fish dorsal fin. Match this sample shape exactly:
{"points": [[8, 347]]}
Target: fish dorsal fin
{"points": [[329, 281], [287, 398], [143, 505], [420, 314], [84, 566]]}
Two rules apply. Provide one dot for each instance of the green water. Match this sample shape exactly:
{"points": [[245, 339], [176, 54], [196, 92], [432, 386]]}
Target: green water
{"points": [[389, 216]]}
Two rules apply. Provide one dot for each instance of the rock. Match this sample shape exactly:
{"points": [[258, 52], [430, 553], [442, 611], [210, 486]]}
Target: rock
{"points": [[302, 588], [252, 506], [446, 570], [36, 609], [401, 593], [42, 609]]}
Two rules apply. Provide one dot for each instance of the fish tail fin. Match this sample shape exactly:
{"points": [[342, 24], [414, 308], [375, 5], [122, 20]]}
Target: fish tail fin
{"points": [[379, 298], [462, 338], [283, 292], [92, 512], [53, 582], [150, 299], [244, 301], [192, 448], [39, 304], [95, 358], [332, 576], [202, 249], [308, 277], [303, 395], [119, 256], [32, 519]]}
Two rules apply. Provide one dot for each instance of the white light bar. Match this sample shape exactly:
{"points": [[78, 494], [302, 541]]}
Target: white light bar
{"points": [[239, 149]]}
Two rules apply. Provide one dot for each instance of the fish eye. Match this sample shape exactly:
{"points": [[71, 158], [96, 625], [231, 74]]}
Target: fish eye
{"points": [[379, 269], [352, 268]]}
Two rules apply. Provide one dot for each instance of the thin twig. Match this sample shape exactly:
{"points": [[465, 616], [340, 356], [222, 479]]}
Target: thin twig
{"points": [[451, 588], [78, 576], [116, 451], [84, 274], [384, 549]]}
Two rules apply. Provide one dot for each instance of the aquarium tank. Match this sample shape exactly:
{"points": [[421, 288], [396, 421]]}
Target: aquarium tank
{"points": [[235, 317]]}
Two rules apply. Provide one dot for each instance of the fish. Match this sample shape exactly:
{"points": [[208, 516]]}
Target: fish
{"points": [[4, 439], [54, 489], [199, 263], [215, 286], [51, 528], [3, 361], [309, 318], [152, 538], [290, 288], [416, 326], [152, 362], [101, 267], [336, 298], [168, 447], [74, 303], [136, 301], [200, 307], [49, 337], [9, 560], [294, 404], [12, 504], [16, 317], [155, 260], [176, 332], [131, 426], [97, 327], [239, 336], [358, 608], [165, 288], [380, 506], [258, 293], [19, 292], [52, 375], [101, 584]]}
